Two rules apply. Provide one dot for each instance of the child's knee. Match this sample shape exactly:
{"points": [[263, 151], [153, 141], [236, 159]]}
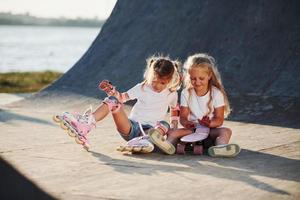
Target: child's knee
{"points": [[132, 131], [227, 132], [113, 104], [128, 134]]}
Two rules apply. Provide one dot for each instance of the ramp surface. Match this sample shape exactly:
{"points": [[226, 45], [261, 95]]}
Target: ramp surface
{"points": [[256, 45]]}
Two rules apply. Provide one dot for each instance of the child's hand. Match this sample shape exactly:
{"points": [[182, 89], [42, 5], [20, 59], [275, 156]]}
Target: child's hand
{"points": [[107, 87], [103, 85], [205, 121], [190, 125]]}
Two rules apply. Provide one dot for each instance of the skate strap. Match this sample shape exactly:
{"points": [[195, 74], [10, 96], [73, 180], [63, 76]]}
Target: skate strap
{"points": [[111, 103], [161, 127], [87, 117], [141, 128]]}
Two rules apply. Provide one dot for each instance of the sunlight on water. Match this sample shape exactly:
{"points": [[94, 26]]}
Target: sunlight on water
{"points": [[33, 48]]}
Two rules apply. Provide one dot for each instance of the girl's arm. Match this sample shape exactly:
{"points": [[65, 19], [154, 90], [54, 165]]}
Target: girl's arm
{"points": [[218, 117], [110, 90], [122, 97], [184, 113]]}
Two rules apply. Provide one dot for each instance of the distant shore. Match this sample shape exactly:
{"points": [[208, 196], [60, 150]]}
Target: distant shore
{"points": [[26, 82], [29, 20]]}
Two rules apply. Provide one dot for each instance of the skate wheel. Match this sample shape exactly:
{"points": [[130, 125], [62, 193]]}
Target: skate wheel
{"points": [[198, 149], [148, 149], [63, 125], [121, 148], [128, 148], [71, 133], [56, 119], [180, 148], [78, 141], [136, 149]]}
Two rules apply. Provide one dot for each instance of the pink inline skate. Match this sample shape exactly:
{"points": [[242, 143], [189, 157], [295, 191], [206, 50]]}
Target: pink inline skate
{"points": [[77, 125]]}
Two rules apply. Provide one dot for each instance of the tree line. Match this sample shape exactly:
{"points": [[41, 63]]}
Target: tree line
{"points": [[27, 19]]}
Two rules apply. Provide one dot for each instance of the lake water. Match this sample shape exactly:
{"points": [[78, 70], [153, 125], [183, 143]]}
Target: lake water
{"points": [[33, 48]]}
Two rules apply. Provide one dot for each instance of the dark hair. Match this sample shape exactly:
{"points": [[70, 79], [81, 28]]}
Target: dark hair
{"points": [[164, 68]]}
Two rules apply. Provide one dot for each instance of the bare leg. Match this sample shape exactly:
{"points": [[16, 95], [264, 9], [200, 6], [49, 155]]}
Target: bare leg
{"points": [[178, 133], [174, 135], [120, 118], [220, 135], [122, 122], [101, 112]]}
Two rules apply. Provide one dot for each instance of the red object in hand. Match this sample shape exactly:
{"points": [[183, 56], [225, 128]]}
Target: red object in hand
{"points": [[190, 126], [205, 121], [106, 86]]}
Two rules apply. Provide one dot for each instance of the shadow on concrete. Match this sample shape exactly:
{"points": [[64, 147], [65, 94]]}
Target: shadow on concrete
{"points": [[13, 185], [247, 167], [7, 116]]}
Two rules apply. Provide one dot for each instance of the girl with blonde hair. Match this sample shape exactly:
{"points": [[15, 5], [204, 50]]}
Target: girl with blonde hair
{"points": [[154, 96], [204, 105]]}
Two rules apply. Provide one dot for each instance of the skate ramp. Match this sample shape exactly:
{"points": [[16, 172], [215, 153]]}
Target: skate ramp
{"points": [[256, 45]]}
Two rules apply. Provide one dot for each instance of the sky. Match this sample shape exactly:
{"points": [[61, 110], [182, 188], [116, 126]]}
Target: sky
{"points": [[60, 8]]}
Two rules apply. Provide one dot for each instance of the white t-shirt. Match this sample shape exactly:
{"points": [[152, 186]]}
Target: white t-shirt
{"points": [[151, 106], [198, 104]]}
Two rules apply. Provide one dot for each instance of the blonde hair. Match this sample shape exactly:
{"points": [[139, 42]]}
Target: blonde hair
{"points": [[204, 60], [163, 67]]}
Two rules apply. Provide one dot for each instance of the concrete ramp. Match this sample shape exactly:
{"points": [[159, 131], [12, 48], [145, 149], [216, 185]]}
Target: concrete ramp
{"points": [[256, 45]]}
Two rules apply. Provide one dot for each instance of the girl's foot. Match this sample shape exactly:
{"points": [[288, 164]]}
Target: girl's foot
{"points": [[158, 139], [224, 150]]}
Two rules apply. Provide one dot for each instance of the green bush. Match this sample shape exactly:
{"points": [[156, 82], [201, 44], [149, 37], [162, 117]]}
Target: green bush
{"points": [[22, 82]]}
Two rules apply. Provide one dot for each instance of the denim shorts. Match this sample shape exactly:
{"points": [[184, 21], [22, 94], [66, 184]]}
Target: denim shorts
{"points": [[135, 130]]}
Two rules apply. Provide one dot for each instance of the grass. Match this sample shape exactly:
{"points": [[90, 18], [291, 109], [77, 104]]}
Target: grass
{"points": [[23, 82]]}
